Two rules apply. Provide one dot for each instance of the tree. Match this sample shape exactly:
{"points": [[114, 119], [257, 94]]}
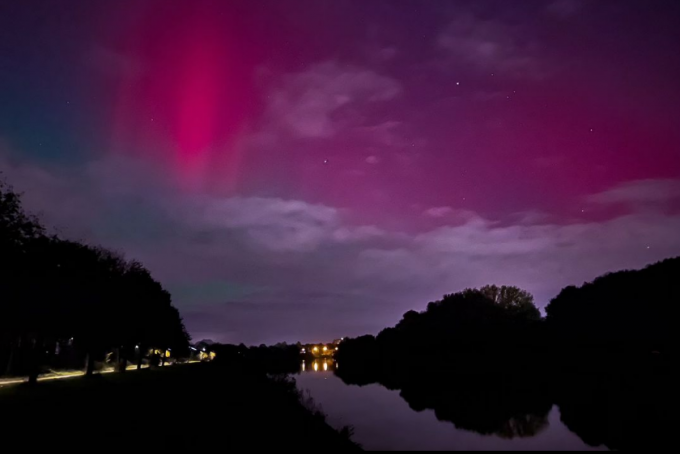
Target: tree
{"points": [[514, 300], [18, 232], [624, 311], [55, 292]]}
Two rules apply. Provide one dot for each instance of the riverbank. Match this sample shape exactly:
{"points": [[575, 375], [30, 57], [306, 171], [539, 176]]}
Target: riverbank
{"points": [[197, 406]]}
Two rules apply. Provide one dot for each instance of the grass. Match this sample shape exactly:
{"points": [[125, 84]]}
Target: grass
{"points": [[197, 406]]}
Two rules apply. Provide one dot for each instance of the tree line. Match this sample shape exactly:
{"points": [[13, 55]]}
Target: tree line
{"points": [[487, 361], [67, 304], [618, 320]]}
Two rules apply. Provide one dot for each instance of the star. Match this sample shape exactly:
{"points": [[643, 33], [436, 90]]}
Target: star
{"points": [[325, 161], [458, 83]]}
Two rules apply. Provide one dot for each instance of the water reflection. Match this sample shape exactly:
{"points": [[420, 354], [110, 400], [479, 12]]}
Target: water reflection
{"points": [[633, 411], [510, 407], [618, 412], [507, 407], [383, 421], [325, 365]]}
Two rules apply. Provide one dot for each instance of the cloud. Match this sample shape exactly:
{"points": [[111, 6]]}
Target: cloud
{"points": [[438, 212], [387, 53], [490, 45], [641, 193], [372, 160], [274, 224], [382, 134], [257, 269], [309, 104], [542, 258]]}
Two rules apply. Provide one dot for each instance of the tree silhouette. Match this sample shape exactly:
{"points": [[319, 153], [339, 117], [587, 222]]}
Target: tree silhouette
{"points": [[474, 358], [514, 300], [58, 295], [619, 319]]}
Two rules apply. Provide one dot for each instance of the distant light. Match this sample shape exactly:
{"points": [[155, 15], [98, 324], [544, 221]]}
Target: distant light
{"points": [[458, 83]]}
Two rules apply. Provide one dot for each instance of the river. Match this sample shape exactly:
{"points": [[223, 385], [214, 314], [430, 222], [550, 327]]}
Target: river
{"points": [[383, 420]]}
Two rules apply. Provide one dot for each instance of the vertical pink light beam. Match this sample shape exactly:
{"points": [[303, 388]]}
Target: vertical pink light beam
{"points": [[188, 105], [198, 88]]}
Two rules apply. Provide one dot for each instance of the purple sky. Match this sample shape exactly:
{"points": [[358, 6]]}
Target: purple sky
{"points": [[305, 170]]}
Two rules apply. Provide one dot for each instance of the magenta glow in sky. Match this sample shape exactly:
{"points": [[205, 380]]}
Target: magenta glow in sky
{"points": [[306, 170]]}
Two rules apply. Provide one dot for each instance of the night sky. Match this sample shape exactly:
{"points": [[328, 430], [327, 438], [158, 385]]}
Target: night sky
{"points": [[306, 170]]}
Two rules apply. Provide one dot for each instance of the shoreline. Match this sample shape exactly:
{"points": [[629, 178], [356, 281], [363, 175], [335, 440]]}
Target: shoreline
{"points": [[193, 406]]}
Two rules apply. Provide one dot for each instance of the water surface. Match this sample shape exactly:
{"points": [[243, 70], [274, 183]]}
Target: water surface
{"points": [[383, 420]]}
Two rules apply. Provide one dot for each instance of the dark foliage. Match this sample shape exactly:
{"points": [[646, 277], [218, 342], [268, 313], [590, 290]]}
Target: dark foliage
{"points": [[277, 359], [621, 319], [485, 361], [62, 301], [487, 328]]}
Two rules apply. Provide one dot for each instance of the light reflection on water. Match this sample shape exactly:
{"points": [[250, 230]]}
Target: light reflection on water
{"points": [[320, 365]]}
